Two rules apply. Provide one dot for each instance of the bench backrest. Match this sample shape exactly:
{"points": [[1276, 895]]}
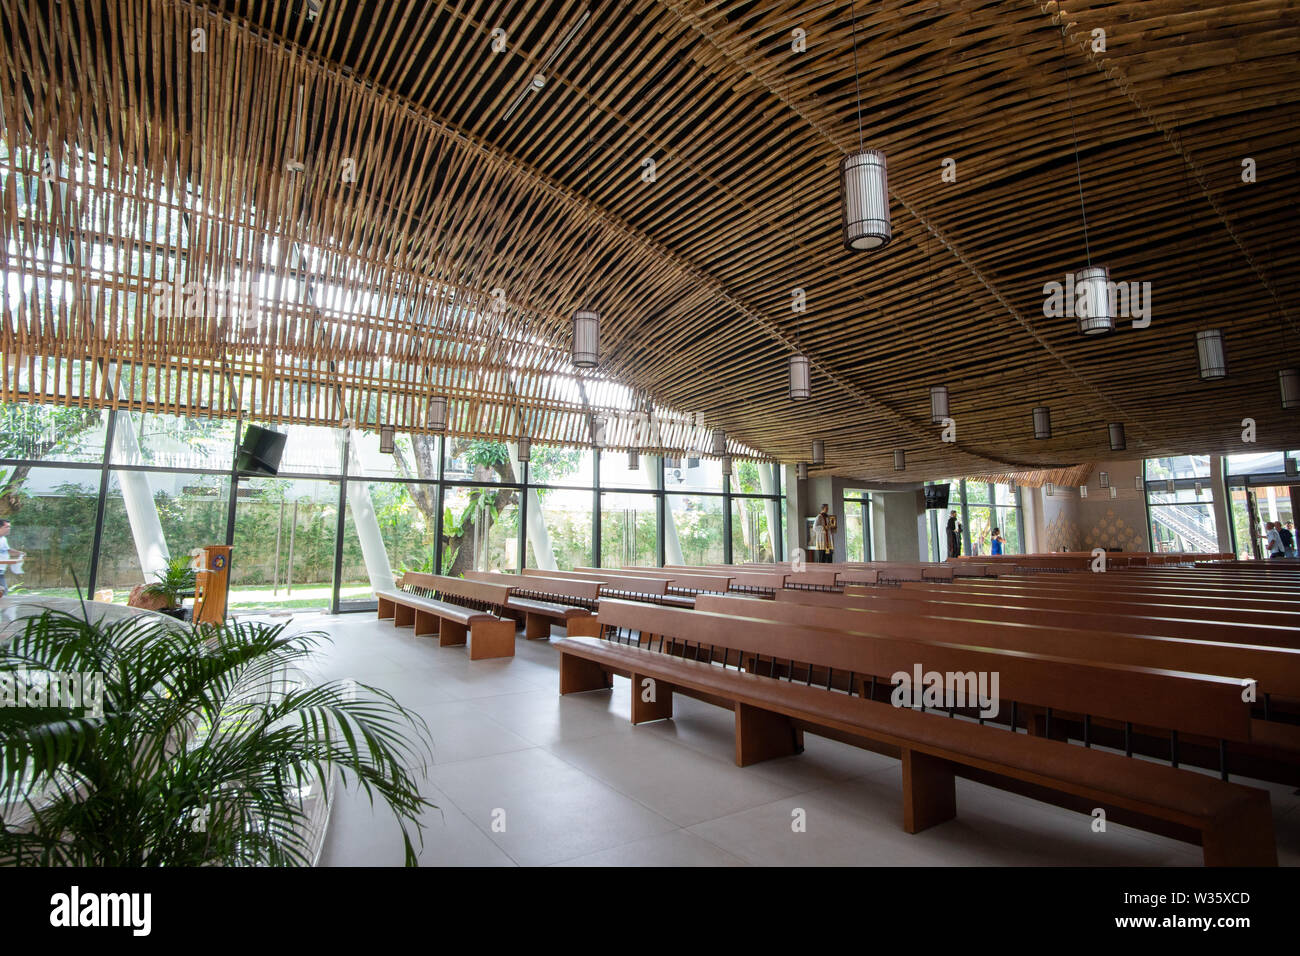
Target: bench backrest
{"points": [[463, 589], [1191, 703], [584, 590], [1276, 669]]}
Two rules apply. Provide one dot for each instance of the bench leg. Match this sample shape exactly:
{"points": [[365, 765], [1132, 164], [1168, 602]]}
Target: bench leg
{"points": [[1243, 838], [763, 735], [404, 616], [386, 608], [537, 627], [452, 633], [426, 622], [929, 791], [661, 708], [489, 639], [577, 674], [585, 626]]}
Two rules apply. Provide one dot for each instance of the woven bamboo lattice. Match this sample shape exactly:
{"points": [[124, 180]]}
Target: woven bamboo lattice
{"points": [[410, 215]]}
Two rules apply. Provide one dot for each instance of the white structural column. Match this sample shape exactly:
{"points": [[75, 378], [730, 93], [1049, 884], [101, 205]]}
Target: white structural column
{"points": [[767, 485], [137, 495], [538, 536], [364, 520], [672, 546]]}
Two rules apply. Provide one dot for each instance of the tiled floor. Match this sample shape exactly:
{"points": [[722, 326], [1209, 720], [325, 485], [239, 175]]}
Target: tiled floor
{"points": [[522, 776]]}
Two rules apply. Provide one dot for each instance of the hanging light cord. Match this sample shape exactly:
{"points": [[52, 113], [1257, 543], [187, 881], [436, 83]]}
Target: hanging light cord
{"points": [[1078, 169], [857, 82]]}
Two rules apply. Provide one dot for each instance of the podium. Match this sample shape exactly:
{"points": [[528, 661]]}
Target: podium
{"points": [[212, 584]]}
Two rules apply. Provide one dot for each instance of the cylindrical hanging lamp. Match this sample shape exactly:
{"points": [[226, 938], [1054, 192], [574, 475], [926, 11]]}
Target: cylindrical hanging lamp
{"points": [[802, 470], [726, 466], [1114, 492], [900, 460], [634, 460], [719, 442], [1096, 311], [1050, 488], [525, 448], [1210, 358], [1288, 380], [1169, 487], [1291, 465], [598, 431], [438, 412], [1105, 479], [800, 378], [586, 338], [1083, 491], [938, 403], [818, 451], [1117, 442], [386, 435], [864, 198], [1198, 489], [1138, 483], [1042, 422]]}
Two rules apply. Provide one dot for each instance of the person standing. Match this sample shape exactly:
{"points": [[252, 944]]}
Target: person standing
{"points": [[1288, 539], [822, 535], [1273, 539], [8, 558], [954, 535], [996, 546]]}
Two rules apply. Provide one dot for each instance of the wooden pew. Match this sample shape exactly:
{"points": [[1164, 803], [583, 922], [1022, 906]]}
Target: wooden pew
{"points": [[541, 600], [458, 611], [1232, 823]]}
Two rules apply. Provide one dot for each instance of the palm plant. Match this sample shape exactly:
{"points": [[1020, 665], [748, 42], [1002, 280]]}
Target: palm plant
{"points": [[201, 752], [173, 581]]}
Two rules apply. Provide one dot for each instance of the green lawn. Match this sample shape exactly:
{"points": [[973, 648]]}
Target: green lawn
{"points": [[245, 598]]}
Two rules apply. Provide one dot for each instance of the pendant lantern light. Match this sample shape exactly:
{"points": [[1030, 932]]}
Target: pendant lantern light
{"points": [[525, 449], [1114, 492], [900, 460], [1117, 442], [1198, 489], [719, 442], [1105, 479], [1138, 483], [1083, 491], [1210, 359], [1288, 380], [586, 338], [864, 181], [1096, 311], [1291, 466], [438, 413], [1050, 488], [1042, 422], [634, 460], [800, 379], [726, 466], [818, 451], [386, 435], [598, 431], [802, 470], [1169, 487], [938, 404]]}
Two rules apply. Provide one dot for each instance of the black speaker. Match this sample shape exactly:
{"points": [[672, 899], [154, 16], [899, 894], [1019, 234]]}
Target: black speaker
{"points": [[260, 451]]}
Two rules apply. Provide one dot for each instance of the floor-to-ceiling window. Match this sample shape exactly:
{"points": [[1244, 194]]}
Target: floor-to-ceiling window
{"points": [[983, 508], [1260, 491], [857, 525], [1180, 504]]}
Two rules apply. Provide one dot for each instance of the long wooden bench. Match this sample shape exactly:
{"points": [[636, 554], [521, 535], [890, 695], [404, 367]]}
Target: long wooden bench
{"points": [[641, 586], [540, 600], [1233, 823], [486, 634]]}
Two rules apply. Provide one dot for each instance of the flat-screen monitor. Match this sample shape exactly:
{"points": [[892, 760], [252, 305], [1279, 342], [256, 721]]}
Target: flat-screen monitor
{"points": [[936, 496], [260, 451]]}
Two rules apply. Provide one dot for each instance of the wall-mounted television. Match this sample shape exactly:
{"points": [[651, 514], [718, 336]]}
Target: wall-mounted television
{"points": [[936, 496], [260, 451]]}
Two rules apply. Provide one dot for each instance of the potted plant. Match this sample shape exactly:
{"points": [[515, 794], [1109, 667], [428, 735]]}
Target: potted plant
{"points": [[189, 746], [171, 585]]}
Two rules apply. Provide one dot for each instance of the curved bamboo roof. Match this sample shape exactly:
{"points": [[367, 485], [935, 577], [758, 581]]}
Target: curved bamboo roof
{"points": [[422, 194]]}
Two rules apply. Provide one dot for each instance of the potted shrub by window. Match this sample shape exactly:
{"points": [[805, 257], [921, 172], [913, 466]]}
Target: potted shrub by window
{"points": [[172, 584]]}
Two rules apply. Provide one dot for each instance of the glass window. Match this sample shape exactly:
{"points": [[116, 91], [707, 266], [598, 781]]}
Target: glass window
{"points": [[52, 516], [628, 530], [1181, 517], [559, 537], [480, 529], [283, 555], [52, 433], [569, 467], [191, 513], [309, 449], [413, 456], [684, 475], [171, 441], [753, 530], [473, 459], [696, 529], [615, 473]]}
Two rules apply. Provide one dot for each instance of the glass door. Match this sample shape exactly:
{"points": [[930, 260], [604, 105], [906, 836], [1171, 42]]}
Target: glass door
{"points": [[285, 536], [628, 530]]}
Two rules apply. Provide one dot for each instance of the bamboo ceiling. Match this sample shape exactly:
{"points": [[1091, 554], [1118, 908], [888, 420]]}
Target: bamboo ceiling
{"points": [[446, 217]]}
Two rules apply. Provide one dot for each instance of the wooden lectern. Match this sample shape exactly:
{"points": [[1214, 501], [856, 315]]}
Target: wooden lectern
{"points": [[211, 584]]}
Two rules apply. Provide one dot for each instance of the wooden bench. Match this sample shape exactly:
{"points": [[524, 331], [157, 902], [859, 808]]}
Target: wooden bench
{"points": [[533, 597], [422, 603], [1232, 823]]}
